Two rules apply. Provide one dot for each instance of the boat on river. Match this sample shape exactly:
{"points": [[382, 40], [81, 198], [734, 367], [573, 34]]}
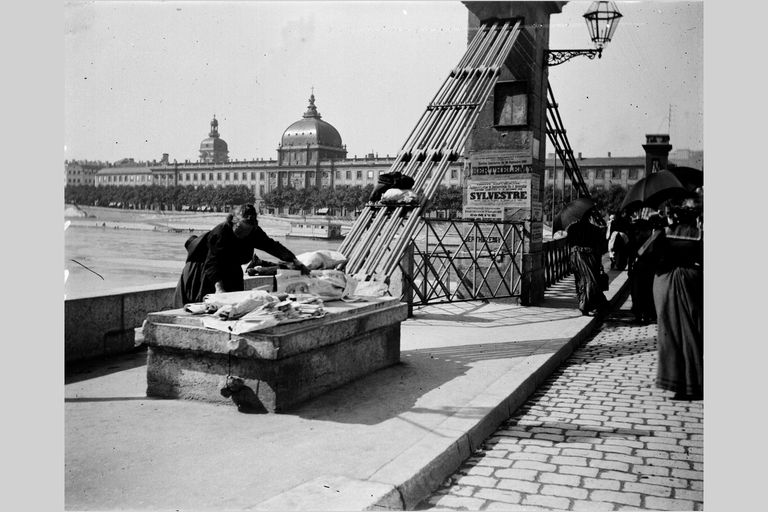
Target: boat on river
{"points": [[315, 229]]}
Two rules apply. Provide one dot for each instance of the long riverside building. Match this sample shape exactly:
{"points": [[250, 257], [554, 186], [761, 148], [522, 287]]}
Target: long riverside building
{"points": [[310, 154]]}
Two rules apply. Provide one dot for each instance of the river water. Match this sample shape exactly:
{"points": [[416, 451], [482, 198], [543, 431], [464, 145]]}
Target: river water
{"points": [[125, 258]]}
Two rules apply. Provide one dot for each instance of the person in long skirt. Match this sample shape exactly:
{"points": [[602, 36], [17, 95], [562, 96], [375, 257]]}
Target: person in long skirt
{"points": [[641, 270], [190, 286], [678, 293], [587, 245]]}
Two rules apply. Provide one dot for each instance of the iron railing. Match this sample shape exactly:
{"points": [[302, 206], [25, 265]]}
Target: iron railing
{"points": [[462, 260], [556, 260]]}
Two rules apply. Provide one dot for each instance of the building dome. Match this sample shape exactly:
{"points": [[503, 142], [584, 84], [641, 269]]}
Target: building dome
{"points": [[214, 149], [312, 130]]}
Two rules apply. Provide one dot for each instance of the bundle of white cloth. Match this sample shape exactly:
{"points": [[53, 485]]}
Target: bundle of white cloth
{"points": [[241, 312]]}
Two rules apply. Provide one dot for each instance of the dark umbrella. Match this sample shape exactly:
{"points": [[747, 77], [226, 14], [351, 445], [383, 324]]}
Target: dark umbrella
{"points": [[689, 177], [572, 212], [653, 190]]}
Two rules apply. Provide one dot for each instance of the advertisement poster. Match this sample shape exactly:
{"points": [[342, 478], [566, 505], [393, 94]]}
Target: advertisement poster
{"points": [[483, 212], [501, 163], [537, 230], [536, 211], [512, 193]]}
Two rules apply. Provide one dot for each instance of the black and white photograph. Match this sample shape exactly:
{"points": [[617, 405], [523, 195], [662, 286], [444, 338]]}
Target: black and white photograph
{"points": [[384, 255]]}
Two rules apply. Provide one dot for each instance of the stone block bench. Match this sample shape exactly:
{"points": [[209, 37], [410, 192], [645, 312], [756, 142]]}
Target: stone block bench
{"points": [[273, 369]]}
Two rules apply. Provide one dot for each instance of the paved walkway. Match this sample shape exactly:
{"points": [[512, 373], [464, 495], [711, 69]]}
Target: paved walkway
{"points": [[597, 435], [385, 441]]}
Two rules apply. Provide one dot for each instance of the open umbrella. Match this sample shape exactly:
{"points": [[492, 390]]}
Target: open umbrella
{"points": [[572, 212], [689, 177], [653, 190]]}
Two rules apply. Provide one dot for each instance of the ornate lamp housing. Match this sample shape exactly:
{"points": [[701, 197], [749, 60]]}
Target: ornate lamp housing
{"points": [[602, 18]]}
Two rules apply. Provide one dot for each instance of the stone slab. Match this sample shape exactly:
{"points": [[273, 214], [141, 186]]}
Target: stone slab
{"points": [[274, 369], [181, 330]]}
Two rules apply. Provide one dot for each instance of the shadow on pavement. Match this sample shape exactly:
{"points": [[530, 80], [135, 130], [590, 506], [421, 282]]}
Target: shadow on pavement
{"points": [[107, 399], [486, 351], [384, 394], [76, 372], [393, 391]]}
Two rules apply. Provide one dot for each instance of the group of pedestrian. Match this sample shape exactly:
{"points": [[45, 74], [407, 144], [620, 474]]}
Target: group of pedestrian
{"points": [[664, 257]]}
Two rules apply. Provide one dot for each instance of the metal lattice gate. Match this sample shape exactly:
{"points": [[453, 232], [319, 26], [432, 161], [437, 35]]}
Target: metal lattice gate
{"points": [[454, 261]]}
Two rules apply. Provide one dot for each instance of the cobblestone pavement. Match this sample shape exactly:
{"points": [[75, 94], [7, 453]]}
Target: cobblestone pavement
{"points": [[597, 435]]}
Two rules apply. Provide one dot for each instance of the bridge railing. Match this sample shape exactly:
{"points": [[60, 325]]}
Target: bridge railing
{"points": [[462, 260], [556, 260]]}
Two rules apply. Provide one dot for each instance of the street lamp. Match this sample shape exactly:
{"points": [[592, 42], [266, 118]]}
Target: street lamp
{"points": [[602, 18]]}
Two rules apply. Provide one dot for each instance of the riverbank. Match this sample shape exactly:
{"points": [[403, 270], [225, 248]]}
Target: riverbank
{"points": [[163, 221], [108, 249]]}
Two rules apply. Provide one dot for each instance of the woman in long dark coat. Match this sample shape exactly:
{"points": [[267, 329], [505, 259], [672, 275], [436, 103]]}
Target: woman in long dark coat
{"points": [[641, 272], [678, 293], [214, 265], [587, 245]]}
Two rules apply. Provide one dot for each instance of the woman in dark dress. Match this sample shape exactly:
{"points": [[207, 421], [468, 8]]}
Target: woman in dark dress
{"points": [[587, 245], [190, 285], [678, 293], [641, 271], [214, 263]]}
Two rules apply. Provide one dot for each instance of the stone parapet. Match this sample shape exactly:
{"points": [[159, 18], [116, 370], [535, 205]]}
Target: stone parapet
{"points": [[102, 325]]}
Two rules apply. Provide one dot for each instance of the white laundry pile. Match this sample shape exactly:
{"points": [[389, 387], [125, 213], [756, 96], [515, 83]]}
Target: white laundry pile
{"points": [[399, 196], [321, 259], [253, 310], [330, 285]]}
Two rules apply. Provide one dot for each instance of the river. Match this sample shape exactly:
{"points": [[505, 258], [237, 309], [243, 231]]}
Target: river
{"points": [[131, 257]]}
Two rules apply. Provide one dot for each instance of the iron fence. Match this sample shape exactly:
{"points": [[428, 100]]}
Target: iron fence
{"points": [[556, 260], [458, 260]]}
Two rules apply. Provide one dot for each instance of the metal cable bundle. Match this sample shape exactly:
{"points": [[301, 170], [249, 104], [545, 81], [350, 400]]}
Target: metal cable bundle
{"points": [[557, 136], [380, 235]]}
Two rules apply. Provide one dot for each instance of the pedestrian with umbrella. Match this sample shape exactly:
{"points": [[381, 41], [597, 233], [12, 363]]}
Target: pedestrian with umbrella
{"points": [[650, 192], [653, 190], [587, 245], [690, 178], [678, 293]]}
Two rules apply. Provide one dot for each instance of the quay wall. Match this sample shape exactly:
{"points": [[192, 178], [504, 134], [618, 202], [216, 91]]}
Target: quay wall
{"points": [[102, 325]]}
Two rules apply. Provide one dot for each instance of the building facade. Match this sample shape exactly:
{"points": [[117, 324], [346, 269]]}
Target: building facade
{"points": [[81, 172], [310, 154], [625, 171]]}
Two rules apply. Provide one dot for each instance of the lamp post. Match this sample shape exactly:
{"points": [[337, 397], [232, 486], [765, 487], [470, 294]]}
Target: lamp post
{"points": [[602, 18]]}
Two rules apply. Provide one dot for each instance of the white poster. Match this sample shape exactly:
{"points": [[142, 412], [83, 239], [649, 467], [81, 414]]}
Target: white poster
{"points": [[510, 193], [483, 212]]}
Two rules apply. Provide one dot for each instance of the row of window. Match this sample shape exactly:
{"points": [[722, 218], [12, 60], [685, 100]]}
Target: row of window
{"points": [[182, 177], [608, 174], [124, 179], [242, 176], [238, 176], [371, 174]]}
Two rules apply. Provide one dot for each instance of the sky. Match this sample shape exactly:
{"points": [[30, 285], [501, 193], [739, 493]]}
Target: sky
{"points": [[146, 78]]}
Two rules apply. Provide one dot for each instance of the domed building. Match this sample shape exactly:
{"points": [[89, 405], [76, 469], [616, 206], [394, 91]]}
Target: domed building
{"points": [[310, 154], [310, 140], [213, 150]]}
